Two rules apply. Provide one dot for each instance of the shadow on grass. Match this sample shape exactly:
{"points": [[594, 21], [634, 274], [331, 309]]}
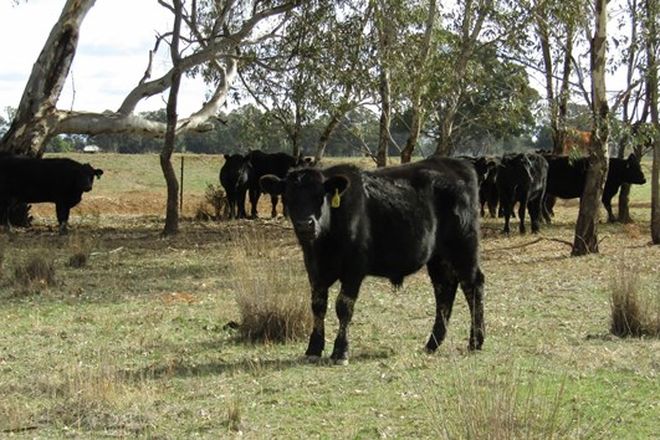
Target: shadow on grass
{"points": [[248, 365]]}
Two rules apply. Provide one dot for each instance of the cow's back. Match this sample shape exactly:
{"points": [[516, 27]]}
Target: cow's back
{"points": [[566, 176], [415, 211], [37, 180]]}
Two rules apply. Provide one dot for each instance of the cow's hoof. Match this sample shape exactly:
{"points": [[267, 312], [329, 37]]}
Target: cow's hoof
{"points": [[429, 350], [342, 362], [312, 359]]}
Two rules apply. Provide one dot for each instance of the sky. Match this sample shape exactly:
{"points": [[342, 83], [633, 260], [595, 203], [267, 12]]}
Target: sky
{"points": [[111, 58]]}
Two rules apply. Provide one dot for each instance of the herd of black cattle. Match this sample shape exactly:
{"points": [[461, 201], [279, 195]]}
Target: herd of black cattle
{"points": [[351, 223], [532, 180]]}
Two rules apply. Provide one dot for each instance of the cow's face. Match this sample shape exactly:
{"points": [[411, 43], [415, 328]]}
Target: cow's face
{"points": [[85, 179], [307, 193], [633, 172]]}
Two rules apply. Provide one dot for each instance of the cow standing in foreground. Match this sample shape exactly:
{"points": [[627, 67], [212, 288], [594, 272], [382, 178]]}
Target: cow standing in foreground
{"points": [[567, 177], [234, 177], [389, 222], [522, 178], [31, 180]]}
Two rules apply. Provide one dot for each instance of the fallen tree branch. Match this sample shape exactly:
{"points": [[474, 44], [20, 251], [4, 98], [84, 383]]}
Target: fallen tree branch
{"points": [[538, 240]]}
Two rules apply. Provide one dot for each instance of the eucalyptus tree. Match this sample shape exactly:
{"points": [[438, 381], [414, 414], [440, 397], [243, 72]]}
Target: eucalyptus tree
{"points": [[586, 229], [319, 69], [631, 129], [555, 24], [417, 82], [652, 46], [214, 31], [469, 27], [403, 32], [218, 28], [498, 104]]}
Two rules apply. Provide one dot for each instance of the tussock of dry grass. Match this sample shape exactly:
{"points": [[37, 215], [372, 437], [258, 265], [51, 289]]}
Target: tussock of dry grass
{"points": [[35, 274], [270, 291], [213, 205], [506, 406], [100, 399], [632, 314], [81, 249]]}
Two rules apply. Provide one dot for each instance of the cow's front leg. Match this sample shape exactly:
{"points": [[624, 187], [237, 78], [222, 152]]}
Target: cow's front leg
{"points": [[62, 217], [317, 338], [473, 288], [344, 307], [273, 202]]}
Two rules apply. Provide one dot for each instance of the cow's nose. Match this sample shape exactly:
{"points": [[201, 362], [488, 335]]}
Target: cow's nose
{"points": [[304, 225]]}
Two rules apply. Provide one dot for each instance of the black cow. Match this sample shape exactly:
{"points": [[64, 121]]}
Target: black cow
{"points": [[234, 178], [262, 164], [567, 177], [389, 222], [486, 169], [31, 180], [488, 193], [522, 178]]}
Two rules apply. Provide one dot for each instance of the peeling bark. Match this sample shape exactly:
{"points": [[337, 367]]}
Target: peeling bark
{"points": [[33, 124], [586, 228]]}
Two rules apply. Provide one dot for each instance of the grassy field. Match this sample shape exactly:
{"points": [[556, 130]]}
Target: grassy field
{"points": [[136, 342]]}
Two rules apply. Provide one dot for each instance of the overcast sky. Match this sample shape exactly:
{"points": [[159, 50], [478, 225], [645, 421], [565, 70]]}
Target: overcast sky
{"points": [[112, 54], [111, 58]]}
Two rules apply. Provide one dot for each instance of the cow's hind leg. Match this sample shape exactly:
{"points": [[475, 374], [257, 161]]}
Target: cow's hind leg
{"points": [[344, 307], [254, 200], [317, 337], [521, 214], [444, 287], [473, 288], [535, 207]]}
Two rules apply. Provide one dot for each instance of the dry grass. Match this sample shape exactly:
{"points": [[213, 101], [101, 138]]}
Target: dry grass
{"points": [[99, 398], [35, 274], [633, 315], [213, 205], [234, 415], [81, 248], [270, 290], [504, 406]]}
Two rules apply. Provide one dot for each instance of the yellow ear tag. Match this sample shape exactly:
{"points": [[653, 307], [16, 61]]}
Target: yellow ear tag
{"points": [[336, 199]]}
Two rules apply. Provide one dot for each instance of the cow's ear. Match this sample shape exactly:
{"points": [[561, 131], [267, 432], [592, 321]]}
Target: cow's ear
{"points": [[632, 157], [271, 184], [98, 173], [336, 184]]}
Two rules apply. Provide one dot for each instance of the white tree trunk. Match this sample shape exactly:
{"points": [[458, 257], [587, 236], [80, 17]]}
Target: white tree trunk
{"points": [[586, 228]]}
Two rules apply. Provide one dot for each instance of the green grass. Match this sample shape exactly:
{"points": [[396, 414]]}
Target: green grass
{"points": [[135, 344]]}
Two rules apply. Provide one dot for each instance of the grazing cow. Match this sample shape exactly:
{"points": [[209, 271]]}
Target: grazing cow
{"points": [[31, 180], [262, 164], [567, 177], [389, 222], [234, 176], [522, 178]]}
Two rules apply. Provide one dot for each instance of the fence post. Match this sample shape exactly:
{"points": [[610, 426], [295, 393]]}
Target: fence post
{"points": [[181, 190]]}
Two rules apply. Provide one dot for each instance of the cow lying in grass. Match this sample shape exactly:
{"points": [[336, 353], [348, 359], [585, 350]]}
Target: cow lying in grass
{"points": [[31, 180], [389, 222]]}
